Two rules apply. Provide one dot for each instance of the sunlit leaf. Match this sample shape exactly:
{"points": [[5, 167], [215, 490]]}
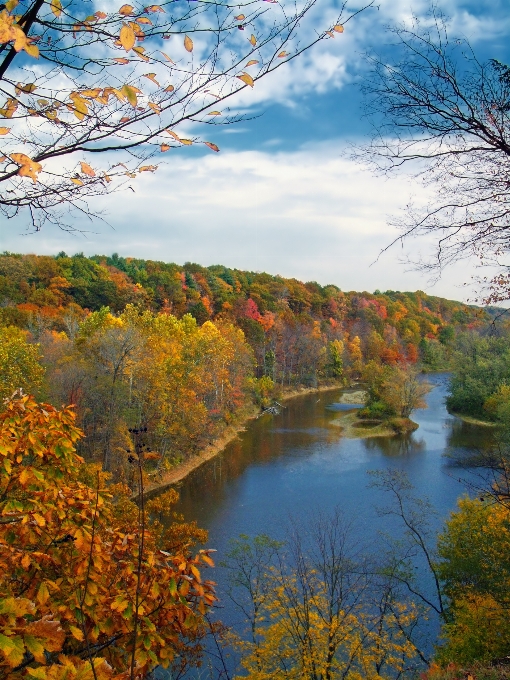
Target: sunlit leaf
{"points": [[168, 58], [188, 142], [246, 78], [151, 76], [87, 170], [100, 15], [252, 62], [11, 4], [165, 147], [127, 37], [56, 7], [27, 88], [155, 107], [214, 113], [212, 146], [330, 33], [4, 130], [130, 93], [240, 17], [253, 40], [28, 168], [140, 52], [32, 50], [283, 54], [188, 44], [154, 8], [173, 134], [338, 28], [169, 88], [126, 10], [121, 60], [144, 20], [76, 181]]}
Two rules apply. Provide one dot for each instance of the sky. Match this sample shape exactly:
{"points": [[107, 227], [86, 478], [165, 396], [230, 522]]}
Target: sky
{"points": [[283, 194]]}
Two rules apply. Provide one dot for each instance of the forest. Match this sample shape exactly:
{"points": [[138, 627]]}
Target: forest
{"points": [[114, 371]]}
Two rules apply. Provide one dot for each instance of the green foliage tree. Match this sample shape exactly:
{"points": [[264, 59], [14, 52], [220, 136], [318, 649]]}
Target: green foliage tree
{"points": [[20, 365]]}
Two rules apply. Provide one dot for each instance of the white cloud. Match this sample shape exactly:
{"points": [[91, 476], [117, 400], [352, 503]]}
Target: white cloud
{"points": [[310, 214]]}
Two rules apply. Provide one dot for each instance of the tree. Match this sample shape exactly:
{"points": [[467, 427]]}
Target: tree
{"points": [[402, 391], [317, 608], [19, 362], [89, 588], [97, 89], [436, 108]]}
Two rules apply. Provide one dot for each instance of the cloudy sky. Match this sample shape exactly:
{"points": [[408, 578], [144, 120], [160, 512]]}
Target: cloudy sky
{"points": [[282, 195]]}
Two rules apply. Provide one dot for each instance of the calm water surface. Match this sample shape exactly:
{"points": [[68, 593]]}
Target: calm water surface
{"points": [[291, 465]]}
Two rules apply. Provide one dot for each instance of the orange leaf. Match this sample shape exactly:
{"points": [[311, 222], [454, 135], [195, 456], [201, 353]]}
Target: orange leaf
{"points": [[154, 8], [246, 78], [212, 146], [338, 28], [214, 113], [144, 20], [165, 147], [87, 170], [151, 76], [240, 17], [283, 54], [170, 88], [168, 58], [121, 60], [126, 10], [4, 130], [29, 168], [188, 44], [127, 37], [252, 62], [331, 34], [173, 134], [100, 15]]}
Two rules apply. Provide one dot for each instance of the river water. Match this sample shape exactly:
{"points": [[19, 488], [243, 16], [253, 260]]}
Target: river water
{"points": [[298, 462]]}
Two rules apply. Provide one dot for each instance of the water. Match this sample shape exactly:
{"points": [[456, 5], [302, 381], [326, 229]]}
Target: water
{"points": [[290, 465]]}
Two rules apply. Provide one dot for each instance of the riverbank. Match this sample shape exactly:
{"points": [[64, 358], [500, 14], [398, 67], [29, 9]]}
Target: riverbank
{"points": [[473, 421], [182, 470]]}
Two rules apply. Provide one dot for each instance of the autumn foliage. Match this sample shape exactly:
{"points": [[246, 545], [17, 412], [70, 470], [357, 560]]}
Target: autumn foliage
{"points": [[89, 587]]}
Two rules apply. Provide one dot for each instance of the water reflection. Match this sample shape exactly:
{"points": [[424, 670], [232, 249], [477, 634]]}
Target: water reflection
{"points": [[403, 445]]}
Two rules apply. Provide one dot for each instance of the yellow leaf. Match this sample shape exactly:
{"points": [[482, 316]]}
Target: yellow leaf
{"points": [[253, 40], [121, 60], [140, 52], [9, 6], [24, 477], [151, 76], [148, 168], [43, 593], [29, 168], [170, 88], [77, 181], [283, 54], [212, 146], [56, 7], [214, 113], [154, 8], [246, 78], [32, 50], [39, 519], [188, 44], [76, 633], [130, 93], [173, 134], [155, 107], [126, 10], [188, 142], [100, 15], [338, 28], [144, 20], [28, 88], [251, 63], [127, 37], [165, 147], [168, 58], [240, 17], [4, 130], [87, 170]]}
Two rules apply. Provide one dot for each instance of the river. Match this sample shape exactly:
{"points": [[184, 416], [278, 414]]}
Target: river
{"points": [[290, 465]]}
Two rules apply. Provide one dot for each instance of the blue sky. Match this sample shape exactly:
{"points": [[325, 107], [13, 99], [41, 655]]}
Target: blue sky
{"points": [[283, 195]]}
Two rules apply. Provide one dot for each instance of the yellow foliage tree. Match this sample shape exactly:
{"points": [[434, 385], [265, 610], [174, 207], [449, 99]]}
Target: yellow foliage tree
{"points": [[88, 589]]}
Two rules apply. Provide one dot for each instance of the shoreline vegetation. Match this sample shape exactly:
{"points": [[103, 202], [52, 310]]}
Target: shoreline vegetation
{"points": [[472, 420], [185, 468]]}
